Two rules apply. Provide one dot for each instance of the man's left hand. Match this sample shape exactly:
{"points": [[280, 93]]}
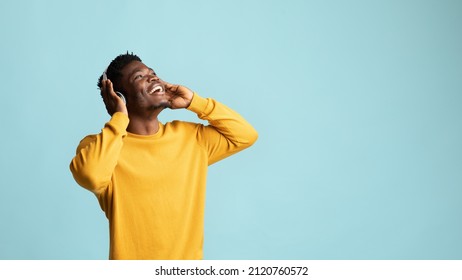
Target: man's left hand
{"points": [[179, 96]]}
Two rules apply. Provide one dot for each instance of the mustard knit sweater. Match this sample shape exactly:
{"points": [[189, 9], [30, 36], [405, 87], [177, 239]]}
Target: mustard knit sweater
{"points": [[152, 188]]}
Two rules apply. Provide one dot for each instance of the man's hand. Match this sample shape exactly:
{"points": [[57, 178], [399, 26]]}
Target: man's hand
{"points": [[113, 102], [179, 96]]}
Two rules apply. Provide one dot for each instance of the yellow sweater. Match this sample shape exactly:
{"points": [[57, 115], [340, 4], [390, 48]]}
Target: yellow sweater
{"points": [[152, 188]]}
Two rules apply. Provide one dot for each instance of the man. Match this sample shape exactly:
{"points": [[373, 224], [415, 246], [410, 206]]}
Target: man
{"points": [[150, 177]]}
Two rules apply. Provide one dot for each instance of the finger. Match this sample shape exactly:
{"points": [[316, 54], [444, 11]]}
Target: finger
{"points": [[108, 102], [117, 100], [104, 91], [171, 88], [110, 88], [111, 92]]}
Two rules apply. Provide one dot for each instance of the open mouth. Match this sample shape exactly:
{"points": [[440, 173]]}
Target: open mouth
{"points": [[158, 89]]}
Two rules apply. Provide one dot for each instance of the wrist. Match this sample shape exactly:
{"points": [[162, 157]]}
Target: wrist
{"points": [[189, 98], [122, 110], [120, 121], [198, 104]]}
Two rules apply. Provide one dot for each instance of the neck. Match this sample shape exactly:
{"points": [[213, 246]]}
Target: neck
{"points": [[144, 125]]}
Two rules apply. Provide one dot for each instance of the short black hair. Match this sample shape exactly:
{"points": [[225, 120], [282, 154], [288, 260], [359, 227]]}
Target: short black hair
{"points": [[113, 71]]}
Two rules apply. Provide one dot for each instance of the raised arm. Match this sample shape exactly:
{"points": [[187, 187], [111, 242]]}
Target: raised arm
{"points": [[227, 132], [97, 155]]}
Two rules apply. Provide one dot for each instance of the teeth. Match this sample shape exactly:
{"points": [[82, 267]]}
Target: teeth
{"points": [[156, 88]]}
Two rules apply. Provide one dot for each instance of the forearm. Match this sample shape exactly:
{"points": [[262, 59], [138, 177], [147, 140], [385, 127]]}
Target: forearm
{"points": [[96, 157], [236, 132]]}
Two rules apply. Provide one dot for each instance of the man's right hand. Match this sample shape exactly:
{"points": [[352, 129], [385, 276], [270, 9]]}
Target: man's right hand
{"points": [[113, 102]]}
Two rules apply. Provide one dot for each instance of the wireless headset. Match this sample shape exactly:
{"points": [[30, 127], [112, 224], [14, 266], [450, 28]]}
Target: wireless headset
{"points": [[117, 92]]}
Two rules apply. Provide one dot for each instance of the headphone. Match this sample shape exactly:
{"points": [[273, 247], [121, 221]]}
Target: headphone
{"points": [[117, 92]]}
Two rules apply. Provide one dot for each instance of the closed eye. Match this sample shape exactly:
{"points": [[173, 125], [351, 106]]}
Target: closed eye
{"points": [[139, 74]]}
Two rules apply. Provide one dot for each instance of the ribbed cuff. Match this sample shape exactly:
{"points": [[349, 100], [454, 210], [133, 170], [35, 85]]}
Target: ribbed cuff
{"points": [[120, 122], [198, 104]]}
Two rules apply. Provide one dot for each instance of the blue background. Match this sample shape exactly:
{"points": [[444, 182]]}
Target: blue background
{"points": [[357, 103]]}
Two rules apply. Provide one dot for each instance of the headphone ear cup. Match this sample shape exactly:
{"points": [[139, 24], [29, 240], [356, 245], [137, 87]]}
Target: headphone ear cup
{"points": [[121, 96], [105, 75]]}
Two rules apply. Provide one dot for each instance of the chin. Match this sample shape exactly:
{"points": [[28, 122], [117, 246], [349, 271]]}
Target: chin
{"points": [[160, 105]]}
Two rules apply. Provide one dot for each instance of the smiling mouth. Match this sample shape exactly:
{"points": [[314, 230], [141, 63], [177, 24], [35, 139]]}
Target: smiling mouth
{"points": [[158, 89]]}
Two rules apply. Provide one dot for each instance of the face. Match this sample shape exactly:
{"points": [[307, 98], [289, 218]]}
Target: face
{"points": [[142, 88]]}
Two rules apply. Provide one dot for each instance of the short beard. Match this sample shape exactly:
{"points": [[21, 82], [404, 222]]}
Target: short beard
{"points": [[162, 105]]}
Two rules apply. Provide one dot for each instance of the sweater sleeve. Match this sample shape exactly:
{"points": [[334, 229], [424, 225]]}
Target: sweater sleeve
{"points": [[227, 132], [97, 155]]}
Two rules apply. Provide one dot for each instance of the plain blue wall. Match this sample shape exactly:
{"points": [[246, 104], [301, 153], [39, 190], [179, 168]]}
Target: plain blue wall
{"points": [[358, 105]]}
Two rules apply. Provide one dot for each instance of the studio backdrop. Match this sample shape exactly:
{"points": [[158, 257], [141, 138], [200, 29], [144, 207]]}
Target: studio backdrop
{"points": [[358, 105]]}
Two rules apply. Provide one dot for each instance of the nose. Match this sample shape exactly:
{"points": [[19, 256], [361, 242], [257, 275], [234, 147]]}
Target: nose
{"points": [[153, 78]]}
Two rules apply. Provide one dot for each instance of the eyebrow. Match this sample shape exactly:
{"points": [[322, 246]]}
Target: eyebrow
{"points": [[136, 70]]}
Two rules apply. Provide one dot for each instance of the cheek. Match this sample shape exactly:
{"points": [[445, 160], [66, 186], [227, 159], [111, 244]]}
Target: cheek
{"points": [[136, 93], [138, 98]]}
